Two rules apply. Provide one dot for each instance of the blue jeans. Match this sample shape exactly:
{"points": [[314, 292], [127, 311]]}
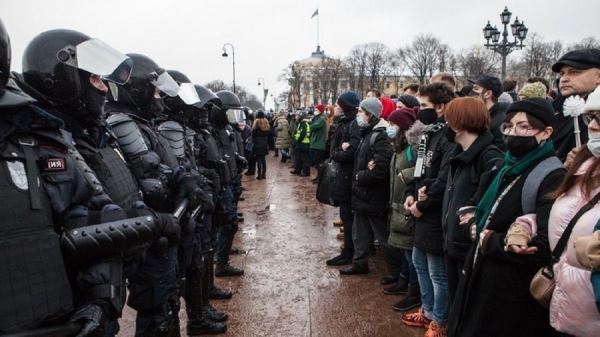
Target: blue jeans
{"points": [[433, 281]]}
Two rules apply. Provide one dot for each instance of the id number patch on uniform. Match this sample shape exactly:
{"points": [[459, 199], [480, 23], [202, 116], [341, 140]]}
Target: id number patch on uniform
{"points": [[54, 164]]}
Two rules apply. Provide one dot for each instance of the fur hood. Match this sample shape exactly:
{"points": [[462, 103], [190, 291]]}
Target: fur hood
{"points": [[413, 135]]}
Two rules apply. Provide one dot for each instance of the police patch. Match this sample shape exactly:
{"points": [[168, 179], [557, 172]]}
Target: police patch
{"points": [[18, 174], [54, 164]]}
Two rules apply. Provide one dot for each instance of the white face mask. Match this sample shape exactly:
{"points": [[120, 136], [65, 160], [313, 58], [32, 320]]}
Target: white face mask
{"points": [[593, 143]]}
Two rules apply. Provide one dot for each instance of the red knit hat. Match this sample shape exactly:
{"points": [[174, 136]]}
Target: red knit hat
{"points": [[404, 117], [388, 106], [320, 107]]}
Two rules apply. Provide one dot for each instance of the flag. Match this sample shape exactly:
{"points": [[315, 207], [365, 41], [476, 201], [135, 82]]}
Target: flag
{"points": [[315, 13]]}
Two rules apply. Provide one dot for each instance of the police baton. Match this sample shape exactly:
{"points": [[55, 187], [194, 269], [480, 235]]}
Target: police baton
{"points": [[181, 208], [67, 330]]}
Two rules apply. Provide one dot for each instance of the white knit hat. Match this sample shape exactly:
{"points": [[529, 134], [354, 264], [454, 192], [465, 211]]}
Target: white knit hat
{"points": [[593, 101]]}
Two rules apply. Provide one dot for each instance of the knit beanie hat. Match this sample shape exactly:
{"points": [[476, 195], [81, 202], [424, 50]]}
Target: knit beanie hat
{"points": [[388, 106], [320, 107], [537, 107], [409, 101], [505, 98], [348, 101], [404, 117], [593, 101], [536, 89], [372, 105]]}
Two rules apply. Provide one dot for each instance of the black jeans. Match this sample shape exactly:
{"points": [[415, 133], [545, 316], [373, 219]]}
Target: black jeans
{"points": [[261, 164], [365, 229], [454, 267]]}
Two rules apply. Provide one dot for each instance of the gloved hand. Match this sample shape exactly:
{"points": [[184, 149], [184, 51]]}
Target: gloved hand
{"points": [[169, 227], [241, 162], [208, 203], [93, 320], [188, 189]]}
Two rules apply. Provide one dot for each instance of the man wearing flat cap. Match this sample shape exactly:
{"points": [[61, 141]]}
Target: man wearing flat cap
{"points": [[579, 72]]}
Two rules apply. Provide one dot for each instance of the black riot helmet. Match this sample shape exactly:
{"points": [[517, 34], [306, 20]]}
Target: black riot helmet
{"points": [[229, 99], [186, 96], [4, 58], [142, 86], [199, 113], [60, 64]]}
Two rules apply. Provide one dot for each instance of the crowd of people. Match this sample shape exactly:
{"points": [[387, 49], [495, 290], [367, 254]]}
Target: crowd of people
{"points": [[121, 180], [483, 200]]}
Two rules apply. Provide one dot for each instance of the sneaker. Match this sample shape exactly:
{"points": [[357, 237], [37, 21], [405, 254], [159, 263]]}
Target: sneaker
{"points": [[416, 319], [339, 260], [436, 330], [340, 236], [338, 223], [224, 270]]}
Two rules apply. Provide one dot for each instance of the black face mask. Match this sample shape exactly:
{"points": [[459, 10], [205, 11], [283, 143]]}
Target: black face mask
{"points": [[450, 135], [428, 116], [93, 109], [156, 108], [519, 146]]}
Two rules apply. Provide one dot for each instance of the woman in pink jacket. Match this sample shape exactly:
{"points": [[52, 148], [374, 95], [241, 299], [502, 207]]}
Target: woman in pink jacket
{"points": [[573, 310]]}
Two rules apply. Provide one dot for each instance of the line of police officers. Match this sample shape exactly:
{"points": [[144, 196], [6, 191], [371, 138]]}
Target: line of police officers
{"points": [[115, 175]]}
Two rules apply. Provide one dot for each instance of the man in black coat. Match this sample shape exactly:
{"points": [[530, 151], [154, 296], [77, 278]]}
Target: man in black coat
{"points": [[344, 143], [489, 88], [579, 72], [370, 186]]}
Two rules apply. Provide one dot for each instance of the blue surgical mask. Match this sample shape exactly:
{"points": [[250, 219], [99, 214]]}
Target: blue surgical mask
{"points": [[391, 131], [360, 120], [593, 143]]}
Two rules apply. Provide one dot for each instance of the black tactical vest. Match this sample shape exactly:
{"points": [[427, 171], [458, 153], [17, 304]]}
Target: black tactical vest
{"points": [[34, 288]]}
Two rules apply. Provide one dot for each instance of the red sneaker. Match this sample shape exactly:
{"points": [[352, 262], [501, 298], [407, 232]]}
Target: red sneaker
{"points": [[416, 319], [436, 330]]}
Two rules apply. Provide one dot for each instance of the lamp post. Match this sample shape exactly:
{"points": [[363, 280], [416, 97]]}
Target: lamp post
{"points": [[505, 47], [265, 91], [233, 58]]}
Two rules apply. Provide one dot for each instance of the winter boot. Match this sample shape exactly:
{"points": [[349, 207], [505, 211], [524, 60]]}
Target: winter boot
{"points": [[197, 324]]}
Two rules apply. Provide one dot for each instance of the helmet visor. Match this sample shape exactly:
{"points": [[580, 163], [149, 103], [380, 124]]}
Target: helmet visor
{"points": [[188, 94], [164, 82], [96, 57], [235, 116]]}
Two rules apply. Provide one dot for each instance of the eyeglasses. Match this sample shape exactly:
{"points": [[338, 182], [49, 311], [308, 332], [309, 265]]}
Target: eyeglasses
{"points": [[520, 129], [588, 117]]}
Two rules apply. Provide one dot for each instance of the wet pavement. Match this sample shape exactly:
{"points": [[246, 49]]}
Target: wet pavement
{"points": [[287, 289]]}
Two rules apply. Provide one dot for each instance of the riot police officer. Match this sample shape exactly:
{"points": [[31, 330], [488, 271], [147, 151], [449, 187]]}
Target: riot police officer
{"points": [[62, 197], [226, 138]]}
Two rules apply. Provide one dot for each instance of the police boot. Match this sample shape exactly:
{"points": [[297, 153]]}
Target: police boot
{"points": [[174, 306], [197, 324], [208, 311], [214, 293]]}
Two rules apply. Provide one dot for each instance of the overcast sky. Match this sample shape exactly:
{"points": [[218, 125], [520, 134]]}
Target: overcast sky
{"points": [[269, 34]]}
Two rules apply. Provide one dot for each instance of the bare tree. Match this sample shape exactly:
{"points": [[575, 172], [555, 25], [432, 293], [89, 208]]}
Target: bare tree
{"points": [[478, 60], [357, 66], [422, 56], [217, 85], [397, 65], [585, 43], [294, 76], [246, 98], [377, 63]]}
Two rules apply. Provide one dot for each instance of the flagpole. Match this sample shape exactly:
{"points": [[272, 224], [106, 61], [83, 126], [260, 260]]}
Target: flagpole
{"points": [[318, 26]]}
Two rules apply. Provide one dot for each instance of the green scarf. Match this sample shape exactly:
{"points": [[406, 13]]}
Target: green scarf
{"points": [[514, 167]]}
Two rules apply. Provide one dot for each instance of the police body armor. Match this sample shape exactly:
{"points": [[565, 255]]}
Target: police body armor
{"points": [[175, 135], [34, 288], [212, 157], [228, 148]]}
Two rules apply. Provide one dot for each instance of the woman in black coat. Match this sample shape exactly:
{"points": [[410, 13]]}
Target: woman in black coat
{"points": [[260, 140], [474, 161], [493, 298]]}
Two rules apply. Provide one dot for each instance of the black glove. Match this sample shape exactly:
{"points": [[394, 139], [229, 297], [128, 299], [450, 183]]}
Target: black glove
{"points": [[169, 226], [188, 189], [92, 319], [208, 203], [241, 162]]}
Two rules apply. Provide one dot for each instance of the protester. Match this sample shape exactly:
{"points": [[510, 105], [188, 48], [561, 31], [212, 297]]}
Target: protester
{"points": [[509, 86], [573, 309], [284, 136], [389, 106], [493, 296], [370, 185], [407, 101], [579, 72], [488, 89], [530, 90], [446, 78], [424, 202], [302, 146], [260, 141], [318, 137], [344, 143], [471, 165], [405, 134], [411, 89]]}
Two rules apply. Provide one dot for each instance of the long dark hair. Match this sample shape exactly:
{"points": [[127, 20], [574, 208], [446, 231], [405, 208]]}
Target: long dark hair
{"points": [[588, 181], [400, 141]]}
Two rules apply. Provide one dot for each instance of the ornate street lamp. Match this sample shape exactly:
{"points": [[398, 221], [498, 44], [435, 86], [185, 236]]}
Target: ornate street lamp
{"points": [[504, 46]]}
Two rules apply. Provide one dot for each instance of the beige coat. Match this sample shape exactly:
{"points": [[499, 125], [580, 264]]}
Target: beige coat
{"points": [[284, 138]]}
